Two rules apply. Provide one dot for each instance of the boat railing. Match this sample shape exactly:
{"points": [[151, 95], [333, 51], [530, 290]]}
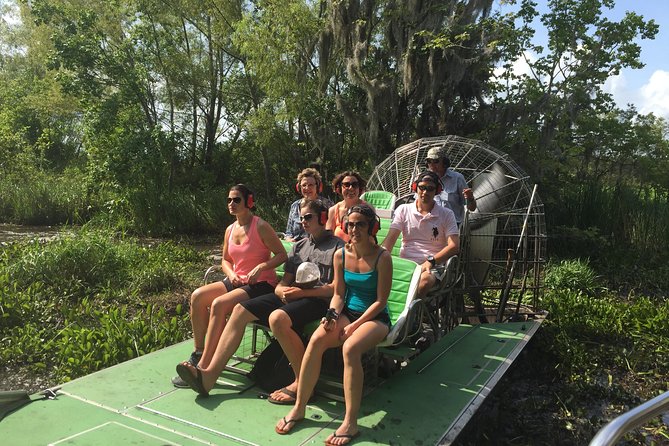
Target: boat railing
{"points": [[616, 428]]}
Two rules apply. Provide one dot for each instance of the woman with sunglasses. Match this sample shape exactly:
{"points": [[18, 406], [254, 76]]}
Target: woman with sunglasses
{"points": [[309, 185], [251, 251], [357, 320], [350, 185]]}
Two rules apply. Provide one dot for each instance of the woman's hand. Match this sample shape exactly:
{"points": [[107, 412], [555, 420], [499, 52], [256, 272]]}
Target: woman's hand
{"points": [[328, 325], [236, 280], [253, 275], [347, 331]]}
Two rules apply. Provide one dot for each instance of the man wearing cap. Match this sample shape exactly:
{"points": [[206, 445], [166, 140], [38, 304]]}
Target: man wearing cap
{"points": [[302, 296], [430, 234], [455, 194]]}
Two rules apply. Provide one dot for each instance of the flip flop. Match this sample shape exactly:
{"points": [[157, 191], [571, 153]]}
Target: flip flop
{"points": [[335, 435], [286, 392], [286, 423], [195, 382]]}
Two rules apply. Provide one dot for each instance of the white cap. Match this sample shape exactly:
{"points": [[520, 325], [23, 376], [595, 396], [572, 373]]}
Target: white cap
{"points": [[307, 275]]}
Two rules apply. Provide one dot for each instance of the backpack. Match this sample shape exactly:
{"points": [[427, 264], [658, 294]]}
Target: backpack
{"points": [[272, 370]]}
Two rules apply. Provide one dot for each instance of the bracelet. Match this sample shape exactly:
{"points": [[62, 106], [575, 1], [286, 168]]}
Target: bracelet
{"points": [[331, 315]]}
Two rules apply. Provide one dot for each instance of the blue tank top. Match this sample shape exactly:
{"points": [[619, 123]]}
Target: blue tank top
{"points": [[360, 287]]}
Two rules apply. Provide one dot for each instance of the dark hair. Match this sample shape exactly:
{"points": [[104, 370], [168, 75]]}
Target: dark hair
{"points": [[246, 194], [336, 183], [431, 177], [316, 206], [369, 213]]}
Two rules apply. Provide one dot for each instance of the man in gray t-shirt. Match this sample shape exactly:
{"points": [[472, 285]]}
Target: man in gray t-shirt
{"points": [[288, 309]]}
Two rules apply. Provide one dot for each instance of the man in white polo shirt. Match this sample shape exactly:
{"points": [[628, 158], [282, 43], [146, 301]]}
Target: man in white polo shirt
{"points": [[429, 231]]}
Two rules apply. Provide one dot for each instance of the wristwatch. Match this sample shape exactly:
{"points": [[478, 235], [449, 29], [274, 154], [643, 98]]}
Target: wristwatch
{"points": [[432, 260]]}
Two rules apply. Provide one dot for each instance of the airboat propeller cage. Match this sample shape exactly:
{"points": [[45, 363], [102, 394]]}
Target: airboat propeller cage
{"points": [[503, 193], [307, 275]]}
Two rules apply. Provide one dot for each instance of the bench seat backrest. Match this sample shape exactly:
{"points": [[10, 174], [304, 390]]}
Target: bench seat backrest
{"points": [[406, 275]]}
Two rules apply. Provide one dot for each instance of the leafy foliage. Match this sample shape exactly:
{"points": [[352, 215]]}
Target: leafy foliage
{"points": [[572, 275], [87, 300]]}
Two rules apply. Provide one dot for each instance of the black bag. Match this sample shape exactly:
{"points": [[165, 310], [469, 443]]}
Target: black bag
{"points": [[272, 370]]}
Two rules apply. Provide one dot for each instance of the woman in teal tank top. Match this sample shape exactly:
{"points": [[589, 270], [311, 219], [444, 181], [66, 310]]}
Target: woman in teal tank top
{"points": [[357, 320]]}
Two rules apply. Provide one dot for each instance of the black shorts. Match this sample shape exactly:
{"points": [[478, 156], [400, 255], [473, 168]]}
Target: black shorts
{"points": [[355, 315], [301, 312], [253, 291]]}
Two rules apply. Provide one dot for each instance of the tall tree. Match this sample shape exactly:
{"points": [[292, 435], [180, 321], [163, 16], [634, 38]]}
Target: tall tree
{"points": [[558, 111]]}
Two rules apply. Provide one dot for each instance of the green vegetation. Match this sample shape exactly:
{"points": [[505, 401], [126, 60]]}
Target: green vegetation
{"points": [[597, 354], [91, 299], [607, 354], [138, 117], [135, 118]]}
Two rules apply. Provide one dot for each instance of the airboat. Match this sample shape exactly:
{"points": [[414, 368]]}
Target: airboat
{"points": [[423, 384]]}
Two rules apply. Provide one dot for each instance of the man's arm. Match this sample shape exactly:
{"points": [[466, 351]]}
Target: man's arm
{"points": [[451, 249], [287, 291], [469, 199], [390, 240], [468, 194]]}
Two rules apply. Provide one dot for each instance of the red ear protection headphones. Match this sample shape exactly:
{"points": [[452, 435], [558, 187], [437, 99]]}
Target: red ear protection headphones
{"points": [[432, 177], [322, 211], [372, 228], [319, 187], [323, 217], [250, 202]]}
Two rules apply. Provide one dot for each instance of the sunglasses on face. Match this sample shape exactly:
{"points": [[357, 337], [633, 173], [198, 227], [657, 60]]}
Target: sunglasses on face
{"points": [[237, 200], [356, 224], [431, 161], [352, 184], [306, 217], [427, 188]]}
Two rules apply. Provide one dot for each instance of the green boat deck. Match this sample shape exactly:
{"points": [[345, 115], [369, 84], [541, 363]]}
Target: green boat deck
{"points": [[427, 402]]}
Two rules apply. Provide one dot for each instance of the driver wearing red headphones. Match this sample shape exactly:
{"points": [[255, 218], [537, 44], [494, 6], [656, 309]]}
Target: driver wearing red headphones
{"points": [[429, 231]]}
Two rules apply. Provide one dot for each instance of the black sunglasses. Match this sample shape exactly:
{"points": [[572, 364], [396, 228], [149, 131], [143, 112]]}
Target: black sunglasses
{"points": [[427, 188], [306, 217], [356, 224], [432, 161], [352, 184], [235, 199]]}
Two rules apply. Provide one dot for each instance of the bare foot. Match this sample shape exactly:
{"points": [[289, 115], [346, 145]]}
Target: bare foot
{"points": [[342, 436], [285, 395], [287, 423], [199, 379]]}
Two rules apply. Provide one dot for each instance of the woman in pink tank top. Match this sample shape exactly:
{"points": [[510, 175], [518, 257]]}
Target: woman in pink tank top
{"points": [[251, 251], [350, 185]]}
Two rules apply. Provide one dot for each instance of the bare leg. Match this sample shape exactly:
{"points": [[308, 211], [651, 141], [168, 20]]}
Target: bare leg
{"points": [[227, 344], [292, 345], [221, 308], [425, 284], [200, 301], [364, 338], [320, 341]]}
